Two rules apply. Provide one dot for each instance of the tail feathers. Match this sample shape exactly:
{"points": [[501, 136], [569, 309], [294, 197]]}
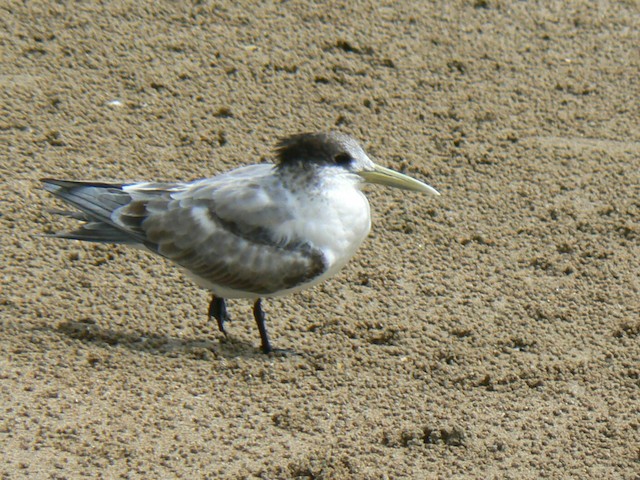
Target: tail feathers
{"points": [[96, 202], [96, 232]]}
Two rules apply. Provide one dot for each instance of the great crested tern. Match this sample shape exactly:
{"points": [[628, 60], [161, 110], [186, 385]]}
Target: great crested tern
{"points": [[257, 231]]}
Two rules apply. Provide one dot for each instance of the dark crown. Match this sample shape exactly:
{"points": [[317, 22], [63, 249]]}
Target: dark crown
{"points": [[310, 148]]}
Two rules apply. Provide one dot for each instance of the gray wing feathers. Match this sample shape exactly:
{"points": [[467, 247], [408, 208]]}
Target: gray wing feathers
{"points": [[220, 229], [96, 232], [222, 253], [112, 213], [96, 202]]}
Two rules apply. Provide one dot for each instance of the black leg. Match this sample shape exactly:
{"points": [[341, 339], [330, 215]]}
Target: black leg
{"points": [[218, 310], [258, 314]]}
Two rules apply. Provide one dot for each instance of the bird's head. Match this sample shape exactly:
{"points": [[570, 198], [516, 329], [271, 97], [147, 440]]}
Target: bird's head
{"points": [[338, 151]]}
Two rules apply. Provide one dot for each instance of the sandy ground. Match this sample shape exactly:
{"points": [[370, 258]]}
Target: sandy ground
{"points": [[489, 333]]}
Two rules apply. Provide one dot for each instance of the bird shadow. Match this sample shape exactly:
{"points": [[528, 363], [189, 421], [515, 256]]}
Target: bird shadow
{"points": [[88, 332]]}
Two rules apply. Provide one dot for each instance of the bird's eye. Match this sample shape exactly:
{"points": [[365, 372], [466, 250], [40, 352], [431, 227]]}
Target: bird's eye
{"points": [[342, 158]]}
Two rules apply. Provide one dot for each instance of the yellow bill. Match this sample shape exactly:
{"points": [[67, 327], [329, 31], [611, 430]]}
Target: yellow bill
{"points": [[391, 178]]}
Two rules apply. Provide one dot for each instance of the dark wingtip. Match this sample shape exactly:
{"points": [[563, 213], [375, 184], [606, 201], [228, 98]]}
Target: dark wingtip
{"points": [[54, 182], [51, 184], [59, 183], [73, 183]]}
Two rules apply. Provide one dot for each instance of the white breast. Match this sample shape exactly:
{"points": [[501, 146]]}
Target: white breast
{"points": [[336, 219]]}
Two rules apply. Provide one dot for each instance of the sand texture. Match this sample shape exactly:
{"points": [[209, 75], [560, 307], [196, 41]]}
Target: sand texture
{"points": [[492, 332]]}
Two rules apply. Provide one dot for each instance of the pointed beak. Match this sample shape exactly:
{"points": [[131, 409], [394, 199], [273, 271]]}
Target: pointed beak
{"points": [[391, 178]]}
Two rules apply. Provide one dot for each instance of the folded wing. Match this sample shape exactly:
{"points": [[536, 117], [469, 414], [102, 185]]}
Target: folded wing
{"points": [[221, 229]]}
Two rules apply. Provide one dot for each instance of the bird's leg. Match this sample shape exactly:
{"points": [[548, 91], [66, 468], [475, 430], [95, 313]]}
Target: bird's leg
{"points": [[218, 310], [258, 314]]}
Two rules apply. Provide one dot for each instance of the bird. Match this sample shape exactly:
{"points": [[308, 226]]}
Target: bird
{"points": [[258, 231]]}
